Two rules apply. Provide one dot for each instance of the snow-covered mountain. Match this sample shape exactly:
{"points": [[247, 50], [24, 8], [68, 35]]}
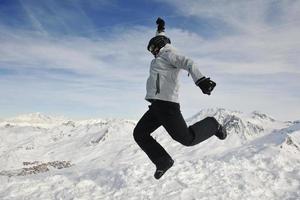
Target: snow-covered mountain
{"points": [[33, 119], [43, 157], [245, 124]]}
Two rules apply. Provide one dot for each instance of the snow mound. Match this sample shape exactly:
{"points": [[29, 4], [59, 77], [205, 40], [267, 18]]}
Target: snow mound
{"points": [[98, 159], [291, 138]]}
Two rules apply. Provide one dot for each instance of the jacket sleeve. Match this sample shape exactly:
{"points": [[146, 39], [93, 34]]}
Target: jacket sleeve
{"points": [[180, 61]]}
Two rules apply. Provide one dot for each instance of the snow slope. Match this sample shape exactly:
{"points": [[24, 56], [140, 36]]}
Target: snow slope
{"points": [[43, 157]]}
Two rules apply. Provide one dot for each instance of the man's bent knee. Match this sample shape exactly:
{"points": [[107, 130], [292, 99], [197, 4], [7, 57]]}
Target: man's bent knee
{"points": [[137, 134]]}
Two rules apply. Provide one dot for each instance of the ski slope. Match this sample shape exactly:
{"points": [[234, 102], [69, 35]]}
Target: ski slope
{"points": [[43, 157]]}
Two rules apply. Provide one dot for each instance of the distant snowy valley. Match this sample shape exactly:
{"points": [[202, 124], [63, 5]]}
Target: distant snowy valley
{"points": [[43, 157]]}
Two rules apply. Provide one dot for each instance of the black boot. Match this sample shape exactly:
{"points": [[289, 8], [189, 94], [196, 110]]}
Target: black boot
{"points": [[162, 168], [221, 133]]}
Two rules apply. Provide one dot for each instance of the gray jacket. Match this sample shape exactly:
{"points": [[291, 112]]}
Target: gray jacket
{"points": [[163, 81]]}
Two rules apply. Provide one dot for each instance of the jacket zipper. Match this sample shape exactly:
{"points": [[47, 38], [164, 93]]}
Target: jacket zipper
{"points": [[157, 85]]}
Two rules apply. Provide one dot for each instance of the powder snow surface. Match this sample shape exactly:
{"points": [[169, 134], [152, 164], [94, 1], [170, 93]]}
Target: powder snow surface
{"points": [[43, 157]]}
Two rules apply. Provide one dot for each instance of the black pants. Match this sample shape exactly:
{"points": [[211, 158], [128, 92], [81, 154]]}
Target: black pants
{"points": [[168, 115]]}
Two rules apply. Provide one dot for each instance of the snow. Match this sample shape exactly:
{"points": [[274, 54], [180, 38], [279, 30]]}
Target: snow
{"points": [[43, 157]]}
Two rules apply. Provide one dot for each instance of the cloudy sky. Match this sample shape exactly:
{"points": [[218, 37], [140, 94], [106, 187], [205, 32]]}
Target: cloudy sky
{"points": [[88, 58]]}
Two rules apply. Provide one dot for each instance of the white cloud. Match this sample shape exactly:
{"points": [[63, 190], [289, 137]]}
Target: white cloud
{"points": [[118, 56], [265, 39], [104, 75], [111, 70], [245, 16], [262, 44], [110, 73]]}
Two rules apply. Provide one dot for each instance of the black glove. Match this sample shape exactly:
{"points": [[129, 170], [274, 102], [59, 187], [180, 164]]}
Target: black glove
{"points": [[206, 85], [160, 24]]}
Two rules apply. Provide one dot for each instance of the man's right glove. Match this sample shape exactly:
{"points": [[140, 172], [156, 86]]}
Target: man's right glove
{"points": [[206, 85]]}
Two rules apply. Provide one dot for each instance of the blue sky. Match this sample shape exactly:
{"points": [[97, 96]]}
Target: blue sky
{"points": [[88, 58]]}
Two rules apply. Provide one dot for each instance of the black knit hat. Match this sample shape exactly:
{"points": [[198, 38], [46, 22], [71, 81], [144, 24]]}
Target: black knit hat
{"points": [[160, 40]]}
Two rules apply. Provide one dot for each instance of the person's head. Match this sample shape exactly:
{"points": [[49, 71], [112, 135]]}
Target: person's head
{"points": [[156, 43], [160, 40]]}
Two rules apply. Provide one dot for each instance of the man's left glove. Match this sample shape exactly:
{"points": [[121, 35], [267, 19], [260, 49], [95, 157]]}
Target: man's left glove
{"points": [[206, 85]]}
